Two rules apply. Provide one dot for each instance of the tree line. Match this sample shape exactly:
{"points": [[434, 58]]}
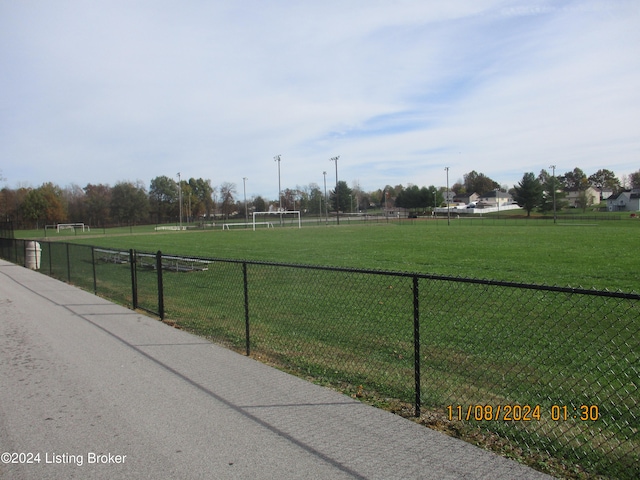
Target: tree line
{"points": [[166, 200], [100, 205], [547, 192]]}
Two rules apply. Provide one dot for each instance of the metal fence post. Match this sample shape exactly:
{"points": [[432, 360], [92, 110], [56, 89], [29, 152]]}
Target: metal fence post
{"points": [[93, 266], [68, 265], [134, 281], [160, 285], [50, 259], [246, 307], [416, 343]]}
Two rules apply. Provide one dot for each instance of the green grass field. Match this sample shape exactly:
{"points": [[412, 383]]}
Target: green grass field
{"points": [[479, 344], [591, 254]]}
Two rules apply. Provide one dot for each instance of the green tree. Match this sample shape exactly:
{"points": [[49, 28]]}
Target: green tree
{"points": [[314, 199], [635, 179], [528, 192], [552, 193], [202, 197], [97, 204], [259, 204], [479, 183], [341, 195], [408, 197], [34, 206], [434, 197], [163, 198], [604, 178], [575, 180], [129, 203], [45, 204]]}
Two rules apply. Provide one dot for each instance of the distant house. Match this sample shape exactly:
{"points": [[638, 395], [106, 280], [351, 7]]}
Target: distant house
{"points": [[605, 193], [449, 196], [573, 198], [495, 199], [466, 199], [627, 201]]}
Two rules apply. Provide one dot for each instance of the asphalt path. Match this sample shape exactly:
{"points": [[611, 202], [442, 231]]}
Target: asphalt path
{"points": [[92, 390]]}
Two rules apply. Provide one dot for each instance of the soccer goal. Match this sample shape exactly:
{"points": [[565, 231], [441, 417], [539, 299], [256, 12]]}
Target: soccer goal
{"points": [[69, 226], [282, 212]]}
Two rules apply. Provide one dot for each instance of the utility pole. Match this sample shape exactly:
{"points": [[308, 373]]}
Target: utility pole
{"points": [[335, 159], [553, 169], [277, 159], [326, 207], [447, 196], [180, 199], [246, 213]]}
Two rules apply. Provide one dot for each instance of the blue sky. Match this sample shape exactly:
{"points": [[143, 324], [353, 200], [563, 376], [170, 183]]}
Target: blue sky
{"points": [[105, 91]]}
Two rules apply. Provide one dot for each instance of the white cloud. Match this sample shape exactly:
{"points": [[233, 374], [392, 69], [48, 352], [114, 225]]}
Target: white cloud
{"points": [[106, 91]]}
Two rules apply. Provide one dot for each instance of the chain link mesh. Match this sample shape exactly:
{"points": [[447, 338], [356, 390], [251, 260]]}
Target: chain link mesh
{"points": [[549, 375]]}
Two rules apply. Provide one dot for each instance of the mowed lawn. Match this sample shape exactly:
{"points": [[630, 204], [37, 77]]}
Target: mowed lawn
{"points": [[478, 345], [601, 255]]}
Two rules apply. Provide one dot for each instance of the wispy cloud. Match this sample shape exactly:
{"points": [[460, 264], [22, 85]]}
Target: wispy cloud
{"points": [[107, 91]]}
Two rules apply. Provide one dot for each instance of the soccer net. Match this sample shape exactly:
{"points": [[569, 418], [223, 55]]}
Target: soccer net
{"points": [[68, 226], [281, 213]]}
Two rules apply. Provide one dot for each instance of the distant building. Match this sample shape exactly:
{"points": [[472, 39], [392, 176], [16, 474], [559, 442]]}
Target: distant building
{"points": [[466, 199], [605, 193], [495, 198], [627, 201], [449, 196], [573, 198]]}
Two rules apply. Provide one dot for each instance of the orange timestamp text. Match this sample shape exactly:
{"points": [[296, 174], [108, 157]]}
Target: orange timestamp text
{"points": [[522, 413]]}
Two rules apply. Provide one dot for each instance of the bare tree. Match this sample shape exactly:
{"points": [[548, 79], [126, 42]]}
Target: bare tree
{"points": [[227, 198]]}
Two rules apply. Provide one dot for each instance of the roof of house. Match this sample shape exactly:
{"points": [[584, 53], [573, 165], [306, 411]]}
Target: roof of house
{"points": [[493, 193], [627, 193]]}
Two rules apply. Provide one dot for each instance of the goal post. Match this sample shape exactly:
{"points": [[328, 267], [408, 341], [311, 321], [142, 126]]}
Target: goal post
{"points": [[283, 212], [71, 226]]}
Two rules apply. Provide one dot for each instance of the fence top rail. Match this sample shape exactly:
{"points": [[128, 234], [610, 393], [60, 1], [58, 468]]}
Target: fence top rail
{"points": [[479, 281], [175, 257], [426, 276], [105, 250]]}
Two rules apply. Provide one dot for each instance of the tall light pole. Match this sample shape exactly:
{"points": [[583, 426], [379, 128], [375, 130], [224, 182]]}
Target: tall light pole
{"points": [[447, 195], [180, 199], [277, 159], [335, 159], [386, 209], [244, 186], [326, 207], [553, 169]]}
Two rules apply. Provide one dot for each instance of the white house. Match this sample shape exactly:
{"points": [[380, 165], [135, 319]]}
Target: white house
{"points": [[495, 199], [591, 195]]}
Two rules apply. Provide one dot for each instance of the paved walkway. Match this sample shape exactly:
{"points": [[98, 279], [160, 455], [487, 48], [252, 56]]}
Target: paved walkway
{"points": [[89, 389]]}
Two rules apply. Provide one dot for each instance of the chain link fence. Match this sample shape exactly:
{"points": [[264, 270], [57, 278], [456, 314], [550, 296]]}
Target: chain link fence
{"points": [[544, 374]]}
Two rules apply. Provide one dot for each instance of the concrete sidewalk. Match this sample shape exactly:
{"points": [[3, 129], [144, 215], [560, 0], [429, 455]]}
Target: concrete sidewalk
{"points": [[89, 389]]}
